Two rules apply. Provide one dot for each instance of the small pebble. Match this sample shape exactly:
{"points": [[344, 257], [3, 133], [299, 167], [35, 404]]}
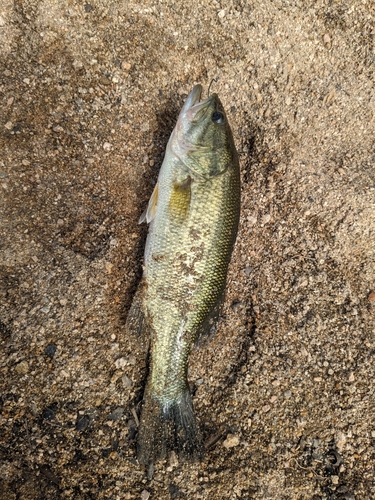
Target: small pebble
{"points": [[252, 221], [340, 440], [83, 421], [48, 413], [127, 382], [116, 414], [120, 363], [145, 495], [231, 441], [22, 368], [173, 459], [50, 350], [132, 360], [266, 218], [371, 296], [335, 479], [104, 80], [248, 270]]}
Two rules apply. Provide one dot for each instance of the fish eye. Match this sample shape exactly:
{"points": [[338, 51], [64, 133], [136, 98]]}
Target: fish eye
{"points": [[218, 117]]}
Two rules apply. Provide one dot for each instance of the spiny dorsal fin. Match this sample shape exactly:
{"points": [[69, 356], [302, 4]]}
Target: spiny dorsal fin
{"points": [[149, 214]]}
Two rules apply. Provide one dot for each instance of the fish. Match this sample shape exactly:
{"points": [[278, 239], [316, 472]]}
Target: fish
{"points": [[193, 217]]}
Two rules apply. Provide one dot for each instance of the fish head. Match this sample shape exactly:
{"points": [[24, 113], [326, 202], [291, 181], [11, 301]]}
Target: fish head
{"points": [[202, 138]]}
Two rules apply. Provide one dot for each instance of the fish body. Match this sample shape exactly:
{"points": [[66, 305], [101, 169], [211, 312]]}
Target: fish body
{"points": [[193, 215]]}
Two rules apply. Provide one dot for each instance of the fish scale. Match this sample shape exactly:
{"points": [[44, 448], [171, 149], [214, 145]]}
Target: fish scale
{"points": [[193, 215]]}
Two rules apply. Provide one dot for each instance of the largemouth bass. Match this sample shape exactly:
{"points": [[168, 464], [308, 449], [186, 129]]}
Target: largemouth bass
{"points": [[193, 215]]}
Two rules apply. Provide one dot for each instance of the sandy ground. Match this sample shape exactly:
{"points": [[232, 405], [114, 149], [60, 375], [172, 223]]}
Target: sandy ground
{"points": [[284, 392]]}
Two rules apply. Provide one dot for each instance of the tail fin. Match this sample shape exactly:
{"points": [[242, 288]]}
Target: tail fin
{"points": [[167, 427]]}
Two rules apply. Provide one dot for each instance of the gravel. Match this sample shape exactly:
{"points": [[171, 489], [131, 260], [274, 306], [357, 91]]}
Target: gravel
{"points": [[90, 93]]}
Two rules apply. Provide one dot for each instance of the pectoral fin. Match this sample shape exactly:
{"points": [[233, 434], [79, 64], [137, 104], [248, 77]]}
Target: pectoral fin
{"points": [[149, 214], [179, 202]]}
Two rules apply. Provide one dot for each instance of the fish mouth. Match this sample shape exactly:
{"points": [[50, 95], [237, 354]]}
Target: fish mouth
{"points": [[195, 109], [193, 98]]}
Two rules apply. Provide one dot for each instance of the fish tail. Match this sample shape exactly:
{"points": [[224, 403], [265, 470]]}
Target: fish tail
{"points": [[168, 426]]}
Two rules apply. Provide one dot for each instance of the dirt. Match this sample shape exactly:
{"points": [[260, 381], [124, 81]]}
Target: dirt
{"points": [[284, 392]]}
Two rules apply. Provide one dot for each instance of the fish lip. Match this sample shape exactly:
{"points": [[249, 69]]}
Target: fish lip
{"points": [[194, 96], [192, 99], [204, 105], [193, 104]]}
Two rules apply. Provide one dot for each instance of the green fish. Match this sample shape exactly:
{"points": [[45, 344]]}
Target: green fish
{"points": [[193, 214]]}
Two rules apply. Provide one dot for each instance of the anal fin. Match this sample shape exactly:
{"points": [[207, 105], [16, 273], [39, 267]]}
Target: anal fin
{"points": [[208, 328], [136, 322]]}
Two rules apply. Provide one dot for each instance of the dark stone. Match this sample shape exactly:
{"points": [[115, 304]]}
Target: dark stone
{"points": [[132, 430], [79, 456], [83, 421], [50, 350], [5, 332], [49, 413], [48, 473], [175, 491], [116, 414]]}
